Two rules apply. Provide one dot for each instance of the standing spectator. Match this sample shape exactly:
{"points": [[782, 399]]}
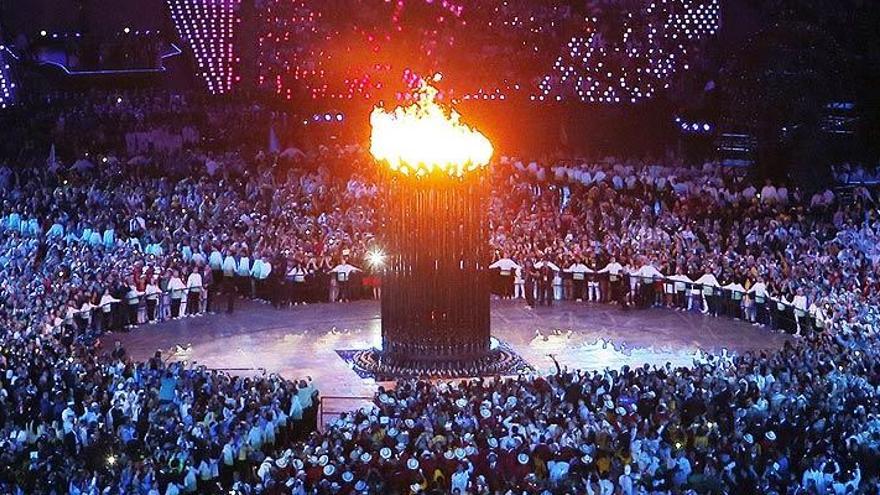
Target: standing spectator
{"points": [[176, 289], [194, 290]]}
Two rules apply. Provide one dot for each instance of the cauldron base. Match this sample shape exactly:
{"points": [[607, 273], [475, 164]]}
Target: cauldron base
{"points": [[501, 360]]}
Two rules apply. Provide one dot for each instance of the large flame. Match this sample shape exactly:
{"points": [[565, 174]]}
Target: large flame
{"points": [[423, 138]]}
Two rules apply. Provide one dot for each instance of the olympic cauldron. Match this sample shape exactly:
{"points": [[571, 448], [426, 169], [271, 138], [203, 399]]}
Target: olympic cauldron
{"points": [[435, 293]]}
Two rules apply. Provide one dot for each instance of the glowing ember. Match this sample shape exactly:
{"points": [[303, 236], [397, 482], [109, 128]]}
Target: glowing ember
{"points": [[423, 138]]}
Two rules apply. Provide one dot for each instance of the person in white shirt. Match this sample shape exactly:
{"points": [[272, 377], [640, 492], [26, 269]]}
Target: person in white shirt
{"points": [[578, 272], [177, 289], [194, 294], [519, 284], [245, 281], [594, 292], [504, 270], [782, 195], [614, 271], [768, 194], [297, 284], [799, 302], [343, 273], [133, 300], [152, 292], [106, 306], [85, 313], [70, 313], [557, 285]]}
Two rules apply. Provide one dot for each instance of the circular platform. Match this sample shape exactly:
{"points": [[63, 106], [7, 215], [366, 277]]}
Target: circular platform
{"points": [[306, 340], [500, 360]]}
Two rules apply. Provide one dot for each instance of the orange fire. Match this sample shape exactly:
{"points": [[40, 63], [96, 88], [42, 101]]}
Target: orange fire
{"points": [[423, 138]]}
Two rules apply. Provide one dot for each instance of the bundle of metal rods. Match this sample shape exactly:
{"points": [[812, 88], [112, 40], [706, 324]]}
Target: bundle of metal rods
{"points": [[435, 299]]}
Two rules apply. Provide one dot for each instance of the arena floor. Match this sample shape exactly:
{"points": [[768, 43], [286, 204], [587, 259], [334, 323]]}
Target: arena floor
{"points": [[304, 340]]}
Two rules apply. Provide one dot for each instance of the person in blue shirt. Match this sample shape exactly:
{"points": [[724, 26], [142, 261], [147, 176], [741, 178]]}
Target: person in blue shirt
{"points": [[95, 238], [215, 261], [32, 227], [13, 221], [109, 237], [168, 388], [187, 252], [56, 230]]}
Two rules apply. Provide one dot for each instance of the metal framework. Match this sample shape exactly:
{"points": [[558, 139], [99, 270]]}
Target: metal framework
{"points": [[435, 292]]}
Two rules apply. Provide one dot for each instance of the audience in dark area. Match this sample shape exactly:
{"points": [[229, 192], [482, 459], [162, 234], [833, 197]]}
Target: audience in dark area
{"points": [[628, 50], [121, 237]]}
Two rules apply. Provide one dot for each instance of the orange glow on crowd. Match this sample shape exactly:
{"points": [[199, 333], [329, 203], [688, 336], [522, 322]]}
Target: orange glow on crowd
{"points": [[424, 137]]}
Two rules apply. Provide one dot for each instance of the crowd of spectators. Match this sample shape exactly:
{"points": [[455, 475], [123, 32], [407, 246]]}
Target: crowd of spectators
{"points": [[90, 249], [689, 238], [168, 130], [85, 252], [855, 174]]}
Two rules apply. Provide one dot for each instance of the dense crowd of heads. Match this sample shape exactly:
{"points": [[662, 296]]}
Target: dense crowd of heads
{"points": [[856, 174], [78, 416], [696, 222]]}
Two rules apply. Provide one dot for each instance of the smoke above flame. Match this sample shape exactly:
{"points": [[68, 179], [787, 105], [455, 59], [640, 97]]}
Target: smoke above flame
{"points": [[424, 138]]}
